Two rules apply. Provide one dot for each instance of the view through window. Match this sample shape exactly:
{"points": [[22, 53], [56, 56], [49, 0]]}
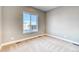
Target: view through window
{"points": [[30, 23]]}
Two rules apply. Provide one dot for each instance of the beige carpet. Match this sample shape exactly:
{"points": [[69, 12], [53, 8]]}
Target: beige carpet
{"points": [[44, 44]]}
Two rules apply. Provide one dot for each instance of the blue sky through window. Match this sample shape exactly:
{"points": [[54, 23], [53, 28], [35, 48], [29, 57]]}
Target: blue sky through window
{"points": [[34, 19], [26, 18]]}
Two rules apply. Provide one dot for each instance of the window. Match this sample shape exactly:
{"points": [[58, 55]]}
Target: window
{"points": [[30, 23]]}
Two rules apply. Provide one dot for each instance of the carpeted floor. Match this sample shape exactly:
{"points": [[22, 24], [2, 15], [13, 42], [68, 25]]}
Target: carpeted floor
{"points": [[43, 44]]}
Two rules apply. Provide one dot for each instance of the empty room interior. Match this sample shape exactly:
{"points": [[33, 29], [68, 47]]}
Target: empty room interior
{"points": [[39, 28]]}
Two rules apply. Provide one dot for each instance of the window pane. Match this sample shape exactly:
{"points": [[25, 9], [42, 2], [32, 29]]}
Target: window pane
{"points": [[29, 23], [26, 22], [34, 22]]}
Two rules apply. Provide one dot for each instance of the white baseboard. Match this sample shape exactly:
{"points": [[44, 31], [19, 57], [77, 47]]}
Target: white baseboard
{"points": [[20, 40], [63, 39], [13, 42]]}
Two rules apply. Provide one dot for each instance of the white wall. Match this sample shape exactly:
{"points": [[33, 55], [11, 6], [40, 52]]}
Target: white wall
{"points": [[13, 22], [64, 22], [0, 24]]}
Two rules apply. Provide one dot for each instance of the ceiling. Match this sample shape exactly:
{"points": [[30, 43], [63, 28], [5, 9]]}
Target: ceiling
{"points": [[45, 8]]}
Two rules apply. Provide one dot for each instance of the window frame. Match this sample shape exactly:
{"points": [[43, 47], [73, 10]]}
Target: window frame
{"points": [[30, 23]]}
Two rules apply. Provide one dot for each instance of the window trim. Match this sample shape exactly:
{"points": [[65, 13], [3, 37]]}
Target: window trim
{"points": [[30, 23]]}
